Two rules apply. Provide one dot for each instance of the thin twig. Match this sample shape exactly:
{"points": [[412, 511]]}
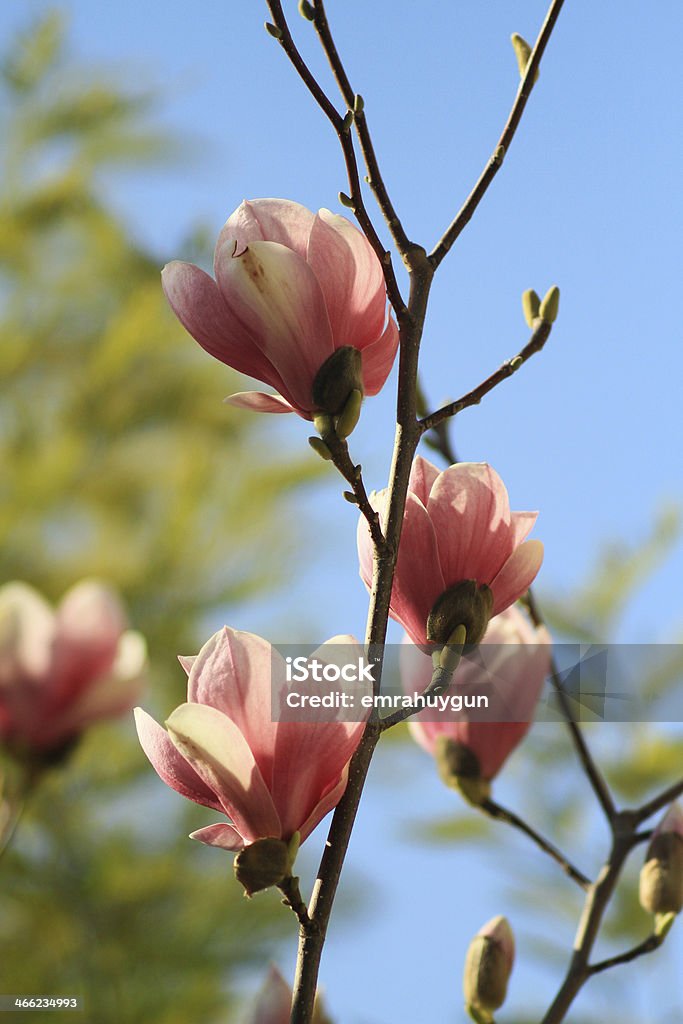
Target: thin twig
{"points": [[289, 887], [665, 798], [495, 810], [649, 945], [474, 397], [595, 777], [374, 178], [343, 130], [501, 149], [353, 474]]}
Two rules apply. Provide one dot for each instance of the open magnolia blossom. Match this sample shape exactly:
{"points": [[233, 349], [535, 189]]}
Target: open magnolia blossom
{"points": [[298, 302], [272, 779], [509, 668], [62, 670], [463, 557]]}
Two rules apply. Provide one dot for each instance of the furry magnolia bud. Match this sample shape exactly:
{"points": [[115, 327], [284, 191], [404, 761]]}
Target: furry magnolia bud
{"points": [[522, 53], [465, 604], [531, 305], [488, 967], [550, 306], [458, 767], [262, 864], [661, 877], [339, 375]]}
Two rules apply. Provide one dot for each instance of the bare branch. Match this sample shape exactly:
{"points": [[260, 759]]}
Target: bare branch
{"points": [[503, 145], [474, 397]]}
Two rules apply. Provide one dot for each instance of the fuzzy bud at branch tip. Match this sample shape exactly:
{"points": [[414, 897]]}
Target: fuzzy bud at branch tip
{"points": [[488, 966], [522, 53], [348, 418], [262, 864], [339, 375], [459, 769], [306, 10], [531, 307], [320, 448], [661, 877], [464, 604], [550, 305]]}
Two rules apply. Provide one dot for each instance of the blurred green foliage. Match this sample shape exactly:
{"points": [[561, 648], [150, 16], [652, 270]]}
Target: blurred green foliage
{"points": [[121, 462]]}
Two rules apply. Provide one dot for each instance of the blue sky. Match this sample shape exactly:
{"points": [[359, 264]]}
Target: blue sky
{"points": [[588, 432]]}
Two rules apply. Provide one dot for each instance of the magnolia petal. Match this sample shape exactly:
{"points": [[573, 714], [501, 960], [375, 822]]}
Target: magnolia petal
{"points": [[418, 580], [27, 627], [516, 575], [309, 759], [273, 1002], [326, 804], [378, 359], [187, 661], [259, 401], [196, 300], [423, 476], [219, 753], [233, 673], [351, 279], [468, 506], [221, 835], [169, 764], [522, 525], [109, 695], [272, 220], [276, 296]]}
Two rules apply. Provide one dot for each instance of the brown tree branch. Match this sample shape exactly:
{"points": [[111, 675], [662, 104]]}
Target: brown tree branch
{"points": [[474, 397], [501, 149], [342, 127], [353, 102], [495, 810]]}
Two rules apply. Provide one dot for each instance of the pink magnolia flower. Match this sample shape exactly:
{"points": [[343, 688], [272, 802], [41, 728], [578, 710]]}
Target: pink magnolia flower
{"points": [[292, 288], [223, 749], [457, 529], [61, 671], [511, 666]]}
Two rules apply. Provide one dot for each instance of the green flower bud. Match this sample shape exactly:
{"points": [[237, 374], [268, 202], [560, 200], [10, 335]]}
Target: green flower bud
{"points": [[323, 423], [273, 30], [348, 121], [346, 201], [262, 864], [339, 375], [348, 419], [531, 306], [306, 10], [320, 448], [488, 967], [464, 604], [458, 767], [522, 53], [358, 104], [550, 305], [661, 877]]}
